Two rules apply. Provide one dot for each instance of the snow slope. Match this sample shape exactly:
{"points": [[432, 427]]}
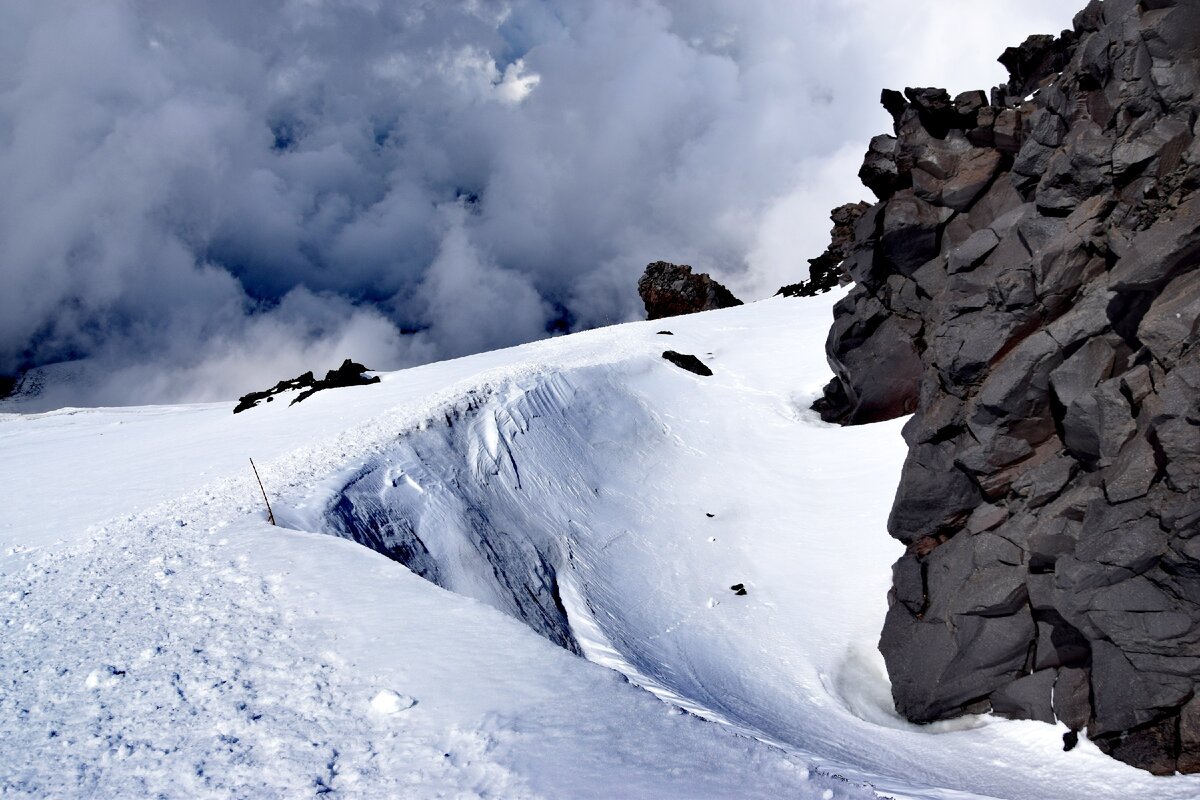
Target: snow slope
{"points": [[159, 638]]}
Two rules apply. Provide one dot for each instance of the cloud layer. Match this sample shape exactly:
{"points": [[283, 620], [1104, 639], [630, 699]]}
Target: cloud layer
{"points": [[202, 198]]}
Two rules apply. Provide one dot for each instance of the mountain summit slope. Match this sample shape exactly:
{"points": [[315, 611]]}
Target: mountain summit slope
{"points": [[160, 638]]}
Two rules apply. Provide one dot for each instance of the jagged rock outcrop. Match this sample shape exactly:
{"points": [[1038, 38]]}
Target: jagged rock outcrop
{"points": [[1029, 286], [824, 271], [350, 373], [669, 290]]}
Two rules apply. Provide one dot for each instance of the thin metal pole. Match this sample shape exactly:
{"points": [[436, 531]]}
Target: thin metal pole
{"points": [[270, 513]]}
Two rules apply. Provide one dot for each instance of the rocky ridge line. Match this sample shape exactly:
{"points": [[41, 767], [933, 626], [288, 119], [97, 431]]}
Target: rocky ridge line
{"points": [[824, 271], [1029, 286], [350, 373]]}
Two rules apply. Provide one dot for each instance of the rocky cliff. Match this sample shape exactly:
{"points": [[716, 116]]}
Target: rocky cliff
{"points": [[1029, 286]]}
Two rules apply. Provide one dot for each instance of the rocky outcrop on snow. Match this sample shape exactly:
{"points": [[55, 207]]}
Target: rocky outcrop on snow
{"points": [[669, 290], [350, 373], [824, 271], [1029, 286]]}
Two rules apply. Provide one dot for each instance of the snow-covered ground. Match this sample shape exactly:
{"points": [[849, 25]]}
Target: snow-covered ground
{"points": [[159, 638]]}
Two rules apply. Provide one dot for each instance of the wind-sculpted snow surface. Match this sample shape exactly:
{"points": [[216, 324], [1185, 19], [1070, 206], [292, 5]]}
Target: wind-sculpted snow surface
{"points": [[174, 644], [453, 503], [189, 649], [1029, 285], [613, 507]]}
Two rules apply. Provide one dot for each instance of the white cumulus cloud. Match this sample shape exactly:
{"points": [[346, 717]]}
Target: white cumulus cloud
{"points": [[203, 198]]}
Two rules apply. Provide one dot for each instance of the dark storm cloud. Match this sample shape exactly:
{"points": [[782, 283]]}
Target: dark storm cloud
{"points": [[200, 197]]}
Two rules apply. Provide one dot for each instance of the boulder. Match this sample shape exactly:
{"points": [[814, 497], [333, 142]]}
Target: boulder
{"points": [[669, 290], [879, 171]]}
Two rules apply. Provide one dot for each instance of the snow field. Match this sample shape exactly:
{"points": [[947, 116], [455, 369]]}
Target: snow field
{"points": [[158, 638], [188, 649], [252, 662]]}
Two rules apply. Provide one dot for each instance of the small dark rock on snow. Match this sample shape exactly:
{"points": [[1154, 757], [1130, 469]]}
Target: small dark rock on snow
{"points": [[738, 589], [688, 362]]}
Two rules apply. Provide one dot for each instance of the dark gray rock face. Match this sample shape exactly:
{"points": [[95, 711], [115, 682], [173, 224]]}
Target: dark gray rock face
{"points": [[1029, 286], [669, 290], [824, 271]]}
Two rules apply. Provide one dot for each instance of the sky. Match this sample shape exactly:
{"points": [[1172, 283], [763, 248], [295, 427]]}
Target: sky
{"points": [[203, 198]]}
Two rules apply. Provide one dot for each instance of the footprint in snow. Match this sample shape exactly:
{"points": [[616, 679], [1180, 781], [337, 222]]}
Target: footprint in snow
{"points": [[388, 702]]}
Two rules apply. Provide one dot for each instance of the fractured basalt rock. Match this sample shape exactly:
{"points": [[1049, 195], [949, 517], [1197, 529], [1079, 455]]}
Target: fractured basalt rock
{"points": [[825, 271], [1028, 287], [669, 290]]}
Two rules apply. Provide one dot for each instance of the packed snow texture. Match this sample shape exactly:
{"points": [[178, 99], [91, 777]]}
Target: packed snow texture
{"points": [[160, 638]]}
